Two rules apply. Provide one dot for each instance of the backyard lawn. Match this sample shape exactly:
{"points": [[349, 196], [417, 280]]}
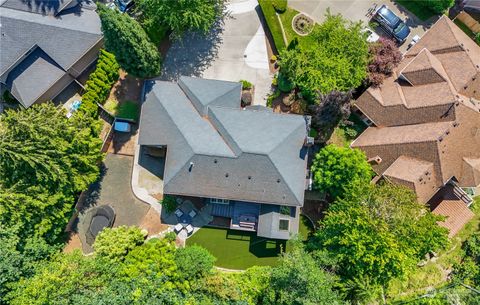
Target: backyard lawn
{"points": [[240, 250]]}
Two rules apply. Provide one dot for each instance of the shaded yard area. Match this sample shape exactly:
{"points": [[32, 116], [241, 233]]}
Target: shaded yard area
{"points": [[113, 189], [417, 9], [435, 273], [239, 249]]}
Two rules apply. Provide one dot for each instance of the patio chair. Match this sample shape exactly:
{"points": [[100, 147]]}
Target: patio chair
{"points": [[178, 213], [189, 229], [192, 213], [178, 227]]}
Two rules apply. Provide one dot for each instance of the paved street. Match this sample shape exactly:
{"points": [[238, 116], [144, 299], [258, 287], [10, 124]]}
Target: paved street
{"points": [[232, 51], [356, 10]]}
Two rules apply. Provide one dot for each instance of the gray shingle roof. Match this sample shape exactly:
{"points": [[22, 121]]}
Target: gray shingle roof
{"points": [[65, 39], [237, 154], [33, 76]]}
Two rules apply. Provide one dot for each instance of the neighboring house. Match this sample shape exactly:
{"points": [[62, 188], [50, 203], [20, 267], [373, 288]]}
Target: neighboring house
{"points": [[427, 118], [45, 45], [249, 163]]}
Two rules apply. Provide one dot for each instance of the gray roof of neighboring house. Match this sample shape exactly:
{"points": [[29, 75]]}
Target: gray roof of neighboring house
{"points": [[33, 76], [65, 38], [220, 150], [269, 221]]}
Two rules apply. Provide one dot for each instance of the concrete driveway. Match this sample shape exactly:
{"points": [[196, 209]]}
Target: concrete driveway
{"points": [[235, 49], [356, 10]]}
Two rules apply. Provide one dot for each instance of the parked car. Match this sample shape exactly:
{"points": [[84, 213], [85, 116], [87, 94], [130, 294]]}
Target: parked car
{"points": [[392, 24], [371, 35], [124, 5]]}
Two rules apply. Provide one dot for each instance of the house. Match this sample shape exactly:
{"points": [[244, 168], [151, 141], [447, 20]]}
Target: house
{"points": [[45, 46], [426, 118], [248, 163]]}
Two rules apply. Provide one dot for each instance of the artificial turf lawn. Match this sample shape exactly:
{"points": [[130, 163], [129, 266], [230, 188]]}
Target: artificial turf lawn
{"points": [[240, 250]]}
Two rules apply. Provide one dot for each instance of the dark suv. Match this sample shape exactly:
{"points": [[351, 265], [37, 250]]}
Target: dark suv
{"points": [[392, 24], [124, 5]]}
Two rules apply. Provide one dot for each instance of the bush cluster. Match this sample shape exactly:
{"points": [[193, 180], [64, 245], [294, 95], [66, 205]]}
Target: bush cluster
{"points": [[100, 82], [436, 6]]}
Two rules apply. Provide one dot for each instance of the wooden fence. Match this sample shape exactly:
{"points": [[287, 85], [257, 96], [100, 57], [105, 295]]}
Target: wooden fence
{"points": [[471, 23]]}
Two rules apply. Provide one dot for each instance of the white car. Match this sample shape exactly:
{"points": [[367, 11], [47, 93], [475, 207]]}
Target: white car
{"points": [[372, 36]]}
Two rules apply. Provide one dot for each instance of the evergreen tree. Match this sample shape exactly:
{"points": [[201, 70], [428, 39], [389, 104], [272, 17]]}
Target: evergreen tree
{"points": [[125, 38]]}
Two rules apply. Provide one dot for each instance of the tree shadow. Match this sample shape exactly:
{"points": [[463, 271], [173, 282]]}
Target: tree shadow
{"points": [[193, 53]]}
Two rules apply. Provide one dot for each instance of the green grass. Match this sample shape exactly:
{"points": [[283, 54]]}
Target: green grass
{"points": [[432, 274], [241, 250], [287, 26], [344, 134], [417, 9], [126, 110], [273, 24]]}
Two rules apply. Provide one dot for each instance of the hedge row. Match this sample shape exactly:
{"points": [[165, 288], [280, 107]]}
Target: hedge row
{"points": [[100, 82], [272, 21]]}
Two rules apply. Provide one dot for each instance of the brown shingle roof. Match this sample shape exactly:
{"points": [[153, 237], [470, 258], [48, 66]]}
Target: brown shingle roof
{"points": [[413, 173], [422, 89], [448, 204]]}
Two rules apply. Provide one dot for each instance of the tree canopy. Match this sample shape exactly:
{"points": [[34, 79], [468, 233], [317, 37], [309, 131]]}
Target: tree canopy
{"points": [[336, 59], [125, 38], [379, 234], [338, 171], [115, 243], [385, 56], [45, 159], [181, 15]]}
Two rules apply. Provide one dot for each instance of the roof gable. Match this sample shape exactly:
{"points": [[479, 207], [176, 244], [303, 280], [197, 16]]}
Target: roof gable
{"points": [[424, 69], [205, 92]]}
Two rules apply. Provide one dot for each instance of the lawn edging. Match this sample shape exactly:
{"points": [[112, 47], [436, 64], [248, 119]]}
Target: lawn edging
{"points": [[273, 23]]}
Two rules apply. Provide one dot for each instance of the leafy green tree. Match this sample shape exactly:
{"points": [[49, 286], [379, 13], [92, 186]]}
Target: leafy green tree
{"points": [[336, 58], [194, 262], [125, 38], [299, 280], [45, 160], [339, 171], [181, 15], [61, 280], [115, 243], [379, 234]]}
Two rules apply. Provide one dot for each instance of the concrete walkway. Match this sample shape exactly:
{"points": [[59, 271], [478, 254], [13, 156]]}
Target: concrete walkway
{"points": [[235, 49]]}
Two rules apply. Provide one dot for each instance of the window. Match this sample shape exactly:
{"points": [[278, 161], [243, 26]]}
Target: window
{"points": [[219, 201], [283, 224]]}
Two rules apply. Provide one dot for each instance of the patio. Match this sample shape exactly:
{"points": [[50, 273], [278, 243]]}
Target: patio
{"points": [[189, 215]]}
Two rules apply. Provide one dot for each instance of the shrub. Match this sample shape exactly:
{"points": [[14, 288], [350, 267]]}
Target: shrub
{"points": [[171, 236], [194, 261], [246, 84], [284, 84], [477, 38], [97, 88], [385, 57], [169, 203], [115, 243], [280, 6], [436, 6], [128, 110]]}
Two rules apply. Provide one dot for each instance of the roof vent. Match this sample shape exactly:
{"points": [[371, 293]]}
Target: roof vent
{"points": [[215, 161], [191, 166], [375, 160], [226, 175], [440, 139], [455, 124], [278, 180], [249, 177]]}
